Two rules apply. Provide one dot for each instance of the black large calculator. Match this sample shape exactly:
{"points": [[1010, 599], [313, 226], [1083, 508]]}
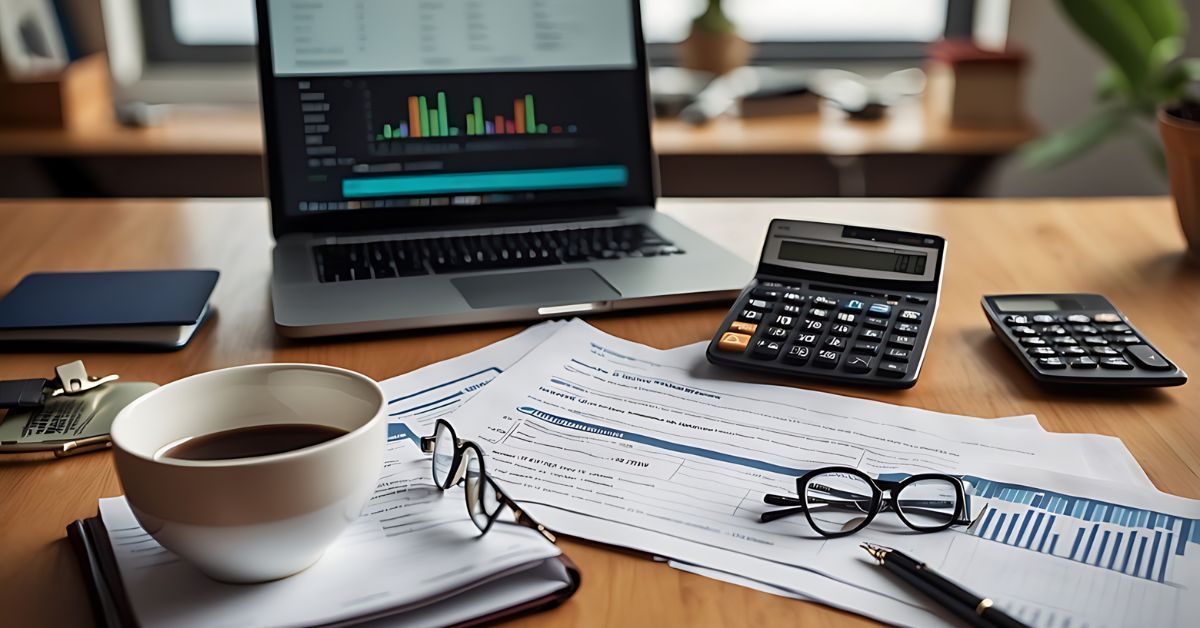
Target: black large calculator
{"points": [[1078, 339], [852, 305]]}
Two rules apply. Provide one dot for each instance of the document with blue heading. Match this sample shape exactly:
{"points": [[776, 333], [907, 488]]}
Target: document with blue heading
{"points": [[604, 439]]}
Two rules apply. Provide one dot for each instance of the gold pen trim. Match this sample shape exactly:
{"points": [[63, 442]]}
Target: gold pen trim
{"points": [[984, 604]]}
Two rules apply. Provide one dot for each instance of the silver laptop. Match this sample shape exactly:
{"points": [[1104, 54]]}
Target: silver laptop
{"points": [[433, 164]]}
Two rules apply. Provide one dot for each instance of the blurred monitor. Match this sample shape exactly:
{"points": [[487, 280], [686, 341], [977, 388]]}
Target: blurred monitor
{"points": [[170, 52]]}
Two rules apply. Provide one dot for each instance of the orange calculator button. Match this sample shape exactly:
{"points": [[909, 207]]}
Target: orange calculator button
{"points": [[742, 327], [733, 342]]}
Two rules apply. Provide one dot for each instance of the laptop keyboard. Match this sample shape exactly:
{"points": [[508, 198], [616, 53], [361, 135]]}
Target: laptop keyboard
{"points": [[381, 259]]}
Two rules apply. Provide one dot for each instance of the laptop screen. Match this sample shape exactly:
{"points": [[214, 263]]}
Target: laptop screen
{"points": [[398, 105]]}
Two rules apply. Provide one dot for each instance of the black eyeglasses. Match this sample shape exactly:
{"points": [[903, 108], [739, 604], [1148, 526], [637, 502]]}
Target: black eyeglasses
{"points": [[839, 501], [458, 461]]}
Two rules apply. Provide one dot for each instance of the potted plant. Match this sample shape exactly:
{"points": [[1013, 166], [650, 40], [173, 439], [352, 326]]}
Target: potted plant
{"points": [[1147, 82], [713, 45]]}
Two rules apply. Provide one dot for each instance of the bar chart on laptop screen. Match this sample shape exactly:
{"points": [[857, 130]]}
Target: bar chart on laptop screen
{"points": [[386, 105]]}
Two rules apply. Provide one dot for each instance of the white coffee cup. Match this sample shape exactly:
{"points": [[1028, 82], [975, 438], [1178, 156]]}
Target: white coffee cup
{"points": [[261, 518]]}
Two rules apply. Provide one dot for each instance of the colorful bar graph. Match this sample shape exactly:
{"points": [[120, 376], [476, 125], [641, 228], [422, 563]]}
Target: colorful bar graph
{"points": [[430, 117]]}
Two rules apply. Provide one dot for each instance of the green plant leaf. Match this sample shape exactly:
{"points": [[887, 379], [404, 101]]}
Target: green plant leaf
{"points": [[1056, 149], [1164, 19], [1117, 28]]}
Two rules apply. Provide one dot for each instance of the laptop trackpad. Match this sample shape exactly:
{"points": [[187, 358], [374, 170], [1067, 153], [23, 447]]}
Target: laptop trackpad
{"points": [[538, 287]]}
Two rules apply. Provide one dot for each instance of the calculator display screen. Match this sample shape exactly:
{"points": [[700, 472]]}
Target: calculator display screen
{"points": [[869, 259], [1034, 304]]}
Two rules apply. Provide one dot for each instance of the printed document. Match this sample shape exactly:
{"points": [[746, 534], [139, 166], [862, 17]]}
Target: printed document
{"points": [[603, 439]]}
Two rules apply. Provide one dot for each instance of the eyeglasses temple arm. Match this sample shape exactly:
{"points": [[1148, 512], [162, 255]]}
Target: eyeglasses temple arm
{"points": [[427, 444], [523, 517]]}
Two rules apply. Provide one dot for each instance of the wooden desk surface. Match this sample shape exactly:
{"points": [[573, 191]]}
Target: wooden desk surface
{"points": [[238, 132], [1129, 250]]}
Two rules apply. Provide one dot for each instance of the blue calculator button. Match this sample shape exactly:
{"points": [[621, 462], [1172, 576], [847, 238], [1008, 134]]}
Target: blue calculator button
{"points": [[854, 305], [882, 309]]}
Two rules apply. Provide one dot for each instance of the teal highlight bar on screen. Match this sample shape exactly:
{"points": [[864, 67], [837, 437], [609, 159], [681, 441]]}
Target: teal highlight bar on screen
{"points": [[496, 181]]}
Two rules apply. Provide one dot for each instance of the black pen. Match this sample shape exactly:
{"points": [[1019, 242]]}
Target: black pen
{"points": [[974, 610]]}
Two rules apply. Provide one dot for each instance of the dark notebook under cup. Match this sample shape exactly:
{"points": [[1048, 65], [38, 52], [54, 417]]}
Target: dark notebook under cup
{"points": [[152, 308]]}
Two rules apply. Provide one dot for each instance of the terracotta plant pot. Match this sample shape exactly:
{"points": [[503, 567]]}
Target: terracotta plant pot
{"points": [[717, 53], [1181, 141]]}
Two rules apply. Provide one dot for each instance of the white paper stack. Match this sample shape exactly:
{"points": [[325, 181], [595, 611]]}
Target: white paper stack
{"points": [[619, 443]]}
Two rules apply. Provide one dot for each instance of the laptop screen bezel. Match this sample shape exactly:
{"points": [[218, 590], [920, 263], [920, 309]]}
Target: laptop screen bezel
{"points": [[365, 220]]}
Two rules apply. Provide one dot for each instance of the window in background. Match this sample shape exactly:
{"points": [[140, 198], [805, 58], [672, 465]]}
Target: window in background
{"points": [[213, 22], [668, 21]]}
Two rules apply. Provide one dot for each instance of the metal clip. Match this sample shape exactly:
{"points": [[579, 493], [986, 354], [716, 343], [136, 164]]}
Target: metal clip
{"points": [[73, 379]]}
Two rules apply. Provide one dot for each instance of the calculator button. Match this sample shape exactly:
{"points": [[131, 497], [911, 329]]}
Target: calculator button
{"points": [[817, 312], [870, 334], [1054, 330], [912, 298], [1043, 318], [896, 355], [1107, 317], [811, 325], [1063, 341], [846, 317], [1127, 339], [875, 322], [1119, 328], [824, 302], [1081, 319], [1024, 330], [785, 321], [1042, 351], [902, 341], [893, 369], [767, 349], [1148, 358], [764, 294], [881, 309], [761, 306], [1085, 362], [733, 342], [1105, 351], [1033, 342], [790, 310], [854, 305], [1095, 341], [797, 354], [1115, 363], [1073, 351], [776, 333], [807, 339], [827, 358], [910, 315], [859, 363], [1052, 363], [743, 327], [793, 297], [1085, 329], [750, 316], [867, 348], [841, 330], [906, 328], [1016, 319], [833, 342]]}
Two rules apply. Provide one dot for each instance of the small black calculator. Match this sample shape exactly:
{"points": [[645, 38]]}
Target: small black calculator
{"points": [[851, 305], [1078, 339]]}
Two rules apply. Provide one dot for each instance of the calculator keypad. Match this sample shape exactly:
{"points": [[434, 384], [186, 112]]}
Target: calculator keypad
{"points": [[829, 334], [1082, 342]]}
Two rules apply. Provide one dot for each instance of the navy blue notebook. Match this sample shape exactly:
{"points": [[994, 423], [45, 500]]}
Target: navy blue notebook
{"points": [[160, 308]]}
